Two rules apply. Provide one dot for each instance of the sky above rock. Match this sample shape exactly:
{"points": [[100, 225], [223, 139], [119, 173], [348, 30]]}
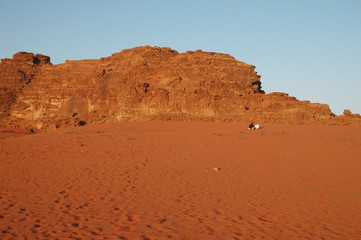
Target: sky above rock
{"points": [[309, 49]]}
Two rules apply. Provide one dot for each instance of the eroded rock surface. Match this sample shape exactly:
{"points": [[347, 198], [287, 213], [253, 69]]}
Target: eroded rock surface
{"points": [[145, 83]]}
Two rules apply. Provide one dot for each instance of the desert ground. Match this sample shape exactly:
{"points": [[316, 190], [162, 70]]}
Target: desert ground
{"points": [[181, 180]]}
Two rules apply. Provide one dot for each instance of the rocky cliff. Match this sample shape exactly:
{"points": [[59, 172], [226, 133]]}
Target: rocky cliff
{"points": [[145, 83]]}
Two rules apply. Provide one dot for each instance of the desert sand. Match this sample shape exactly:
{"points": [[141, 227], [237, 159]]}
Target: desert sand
{"points": [[181, 180]]}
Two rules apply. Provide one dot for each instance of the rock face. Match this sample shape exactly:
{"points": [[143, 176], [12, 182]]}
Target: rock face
{"points": [[145, 83]]}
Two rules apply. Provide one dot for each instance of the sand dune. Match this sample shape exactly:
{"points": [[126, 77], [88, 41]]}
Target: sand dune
{"points": [[179, 180]]}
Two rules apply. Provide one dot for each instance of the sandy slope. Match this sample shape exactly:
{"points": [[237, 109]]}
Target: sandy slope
{"points": [[156, 180]]}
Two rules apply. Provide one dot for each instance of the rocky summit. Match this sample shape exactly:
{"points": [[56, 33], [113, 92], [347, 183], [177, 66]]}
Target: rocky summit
{"points": [[146, 83]]}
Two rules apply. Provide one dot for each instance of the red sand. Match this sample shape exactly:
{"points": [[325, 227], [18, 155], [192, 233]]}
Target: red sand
{"points": [[156, 180]]}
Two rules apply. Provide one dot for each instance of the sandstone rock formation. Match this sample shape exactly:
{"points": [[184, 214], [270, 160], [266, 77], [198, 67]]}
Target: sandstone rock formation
{"points": [[145, 83]]}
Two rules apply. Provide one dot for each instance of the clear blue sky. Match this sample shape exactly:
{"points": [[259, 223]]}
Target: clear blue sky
{"points": [[310, 49]]}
